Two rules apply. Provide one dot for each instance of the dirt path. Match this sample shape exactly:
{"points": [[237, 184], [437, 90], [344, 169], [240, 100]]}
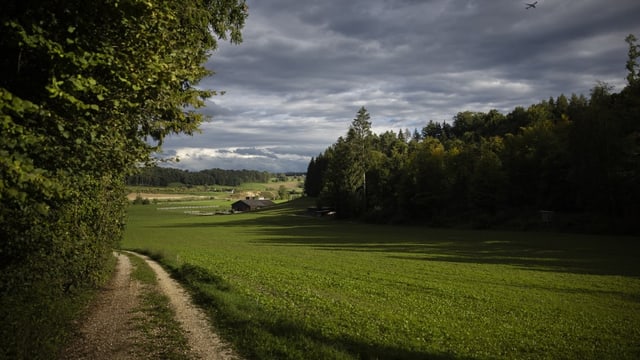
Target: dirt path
{"points": [[110, 331], [203, 342]]}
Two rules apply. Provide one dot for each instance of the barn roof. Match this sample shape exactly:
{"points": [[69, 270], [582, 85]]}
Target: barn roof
{"points": [[253, 204]]}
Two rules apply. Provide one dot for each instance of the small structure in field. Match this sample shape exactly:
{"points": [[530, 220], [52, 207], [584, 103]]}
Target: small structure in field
{"points": [[250, 204], [320, 211], [546, 216]]}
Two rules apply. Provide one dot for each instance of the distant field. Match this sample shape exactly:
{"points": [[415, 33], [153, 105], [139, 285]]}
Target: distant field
{"points": [[274, 185], [291, 184], [166, 196], [284, 286], [182, 193]]}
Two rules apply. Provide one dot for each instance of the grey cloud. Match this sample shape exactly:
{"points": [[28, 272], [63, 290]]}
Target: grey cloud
{"points": [[305, 68]]}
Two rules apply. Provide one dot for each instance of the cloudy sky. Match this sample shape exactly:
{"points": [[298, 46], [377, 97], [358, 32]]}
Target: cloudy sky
{"points": [[305, 68]]}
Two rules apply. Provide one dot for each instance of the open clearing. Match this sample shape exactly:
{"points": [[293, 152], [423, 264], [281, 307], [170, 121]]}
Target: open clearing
{"points": [[281, 285]]}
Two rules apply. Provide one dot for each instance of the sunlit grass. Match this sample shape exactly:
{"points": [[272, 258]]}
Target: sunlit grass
{"points": [[287, 285]]}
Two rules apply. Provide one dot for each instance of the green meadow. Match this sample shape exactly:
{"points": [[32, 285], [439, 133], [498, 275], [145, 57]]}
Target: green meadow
{"points": [[282, 285]]}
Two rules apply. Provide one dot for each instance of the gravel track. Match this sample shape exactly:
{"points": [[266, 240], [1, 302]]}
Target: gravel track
{"points": [[202, 340], [109, 331]]}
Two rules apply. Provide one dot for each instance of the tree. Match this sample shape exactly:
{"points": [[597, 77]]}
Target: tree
{"points": [[315, 176], [283, 193], [359, 136], [87, 92], [632, 62], [561, 107], [493, 122], [487, 185], [433, 129], [312, 182], [627, 110], [537, 166], [345, 177], [342, 179], [428, 183], [358, 140]]}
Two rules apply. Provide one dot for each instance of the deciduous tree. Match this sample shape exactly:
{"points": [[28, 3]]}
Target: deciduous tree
{"points": [[87, 92]]}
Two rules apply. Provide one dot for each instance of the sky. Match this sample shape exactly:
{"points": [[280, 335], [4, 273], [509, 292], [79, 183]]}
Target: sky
{"points": [[305, 68]]}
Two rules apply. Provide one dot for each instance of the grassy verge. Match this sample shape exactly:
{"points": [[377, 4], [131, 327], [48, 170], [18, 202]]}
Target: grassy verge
{"points": [[284, 286], [163, 336], [39, 324]]}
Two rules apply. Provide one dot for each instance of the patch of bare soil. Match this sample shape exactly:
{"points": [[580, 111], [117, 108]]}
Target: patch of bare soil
{"points": [[110, 331]]}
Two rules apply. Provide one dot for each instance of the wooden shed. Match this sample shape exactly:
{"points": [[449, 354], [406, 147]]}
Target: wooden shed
{"points": [[250, 204]]}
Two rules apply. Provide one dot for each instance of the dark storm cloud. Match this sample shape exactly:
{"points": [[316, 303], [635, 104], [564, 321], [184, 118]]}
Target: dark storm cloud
{"points": [[306, 67]]}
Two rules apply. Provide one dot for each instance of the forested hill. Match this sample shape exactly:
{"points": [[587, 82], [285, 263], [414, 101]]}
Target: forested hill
{"points": [[577, 157], [161, 176]]}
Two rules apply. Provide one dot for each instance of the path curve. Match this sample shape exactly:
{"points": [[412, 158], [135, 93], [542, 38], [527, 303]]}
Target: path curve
{"points": [[202, 340], [110, 332]]}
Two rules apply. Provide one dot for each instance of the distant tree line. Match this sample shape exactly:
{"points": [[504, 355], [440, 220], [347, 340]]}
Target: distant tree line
{"points": [[578, 157], [162, 176]]}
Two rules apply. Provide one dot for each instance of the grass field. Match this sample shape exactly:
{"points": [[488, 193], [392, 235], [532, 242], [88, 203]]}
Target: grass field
{"points": [[281, 285]]}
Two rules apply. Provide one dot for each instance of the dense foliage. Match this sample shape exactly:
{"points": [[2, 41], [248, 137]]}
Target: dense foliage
{"points": [[161, 176], [87, 91], [577, 157]]}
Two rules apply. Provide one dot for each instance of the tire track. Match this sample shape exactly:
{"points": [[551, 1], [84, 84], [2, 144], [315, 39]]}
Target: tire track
{"points": [[202, 340]]}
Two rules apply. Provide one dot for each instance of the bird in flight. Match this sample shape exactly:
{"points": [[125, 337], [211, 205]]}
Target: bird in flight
{"points": [[531, 5]]}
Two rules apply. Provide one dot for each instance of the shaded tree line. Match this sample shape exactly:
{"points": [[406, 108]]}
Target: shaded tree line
{"points": [[576, 156], [87, 92], [161, 176]]}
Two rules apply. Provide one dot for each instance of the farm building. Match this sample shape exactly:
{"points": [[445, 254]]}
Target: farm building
{"points": [[250, 204], [320, 211]]}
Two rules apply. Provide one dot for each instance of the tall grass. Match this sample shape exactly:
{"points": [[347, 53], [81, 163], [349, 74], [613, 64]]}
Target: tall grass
{"points": [[281, 285]]}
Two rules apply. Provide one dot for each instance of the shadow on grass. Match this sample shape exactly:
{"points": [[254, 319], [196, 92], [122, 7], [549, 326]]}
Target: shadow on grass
{"points": [[280, 338], [558, 252], [262, 337]]}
